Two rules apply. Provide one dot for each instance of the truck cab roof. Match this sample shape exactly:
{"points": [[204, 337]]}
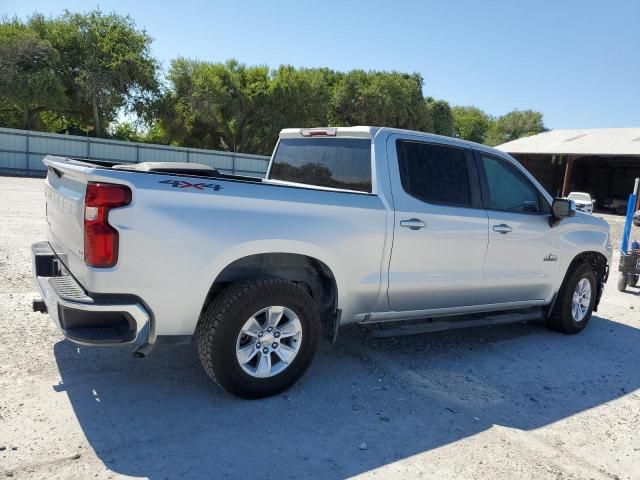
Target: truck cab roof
{"points": [[367, 131]]}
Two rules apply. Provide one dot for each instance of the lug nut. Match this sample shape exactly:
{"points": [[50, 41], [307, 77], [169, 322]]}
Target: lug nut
{"points": [[274, 345], [277, 334], [269, 329], [258, 345], [265, 350], [260, 333]]}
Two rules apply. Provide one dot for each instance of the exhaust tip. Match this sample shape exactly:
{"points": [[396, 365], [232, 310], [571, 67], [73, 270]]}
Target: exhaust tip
{"points": [[142, 351], [38, 305]]}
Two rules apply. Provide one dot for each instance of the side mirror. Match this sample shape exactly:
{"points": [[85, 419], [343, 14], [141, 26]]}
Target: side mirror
{"points": [[561, 208]]}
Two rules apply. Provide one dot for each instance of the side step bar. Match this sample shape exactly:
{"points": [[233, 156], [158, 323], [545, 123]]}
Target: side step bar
{"points": [[452, 322]]}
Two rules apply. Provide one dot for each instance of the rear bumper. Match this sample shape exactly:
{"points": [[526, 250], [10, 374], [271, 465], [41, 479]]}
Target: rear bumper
{"points": [[82, 318]]}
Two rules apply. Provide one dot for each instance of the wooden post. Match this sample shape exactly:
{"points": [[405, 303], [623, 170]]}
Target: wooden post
{"points": [[567, 175]]}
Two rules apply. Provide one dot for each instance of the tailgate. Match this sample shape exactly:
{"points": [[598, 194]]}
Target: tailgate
{"points": [[64, 192]]}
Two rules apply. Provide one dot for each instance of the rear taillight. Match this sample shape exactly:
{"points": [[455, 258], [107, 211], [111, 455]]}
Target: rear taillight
{"points": [[100, 238]]}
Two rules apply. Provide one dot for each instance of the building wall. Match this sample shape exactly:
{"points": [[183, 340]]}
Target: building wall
{"points": [[22, 151]]}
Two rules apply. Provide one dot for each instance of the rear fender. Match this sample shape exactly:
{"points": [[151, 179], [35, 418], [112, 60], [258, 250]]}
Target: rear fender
{"points": [[235, 252]]}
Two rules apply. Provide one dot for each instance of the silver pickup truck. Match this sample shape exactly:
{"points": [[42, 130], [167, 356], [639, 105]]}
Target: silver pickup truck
{"points": [[395, 230]]}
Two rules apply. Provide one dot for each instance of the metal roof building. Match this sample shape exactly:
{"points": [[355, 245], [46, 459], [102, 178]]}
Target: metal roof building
{"points": [[600, 161]]}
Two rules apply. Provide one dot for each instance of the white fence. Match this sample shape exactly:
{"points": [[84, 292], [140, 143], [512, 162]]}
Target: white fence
{"points": [[21, 153]]}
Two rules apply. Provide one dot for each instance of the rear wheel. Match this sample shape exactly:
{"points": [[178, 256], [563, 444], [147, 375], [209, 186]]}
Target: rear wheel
{"points": [[633, 280], [258, 337], [622, 282], [575, 301]]}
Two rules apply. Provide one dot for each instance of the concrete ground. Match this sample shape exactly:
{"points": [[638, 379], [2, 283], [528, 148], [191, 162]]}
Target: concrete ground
{"points": [[513, 401]]}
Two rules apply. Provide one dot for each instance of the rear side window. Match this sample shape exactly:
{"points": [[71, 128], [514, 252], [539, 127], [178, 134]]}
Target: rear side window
{"points": [[326, 162], [434, 173]]}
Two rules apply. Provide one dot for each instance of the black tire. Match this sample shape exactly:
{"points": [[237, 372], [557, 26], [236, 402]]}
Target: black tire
{"points": [[223, 318], [633, 280], [561, 318], [622, 282]]}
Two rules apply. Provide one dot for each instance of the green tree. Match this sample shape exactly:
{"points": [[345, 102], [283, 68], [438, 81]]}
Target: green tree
{"points": [[441, 116], [127, 131], [77, 73], [470, 123], [29, 83], [218, 105], [514, 125], [106, 64], [379, 98], [299, 97]]}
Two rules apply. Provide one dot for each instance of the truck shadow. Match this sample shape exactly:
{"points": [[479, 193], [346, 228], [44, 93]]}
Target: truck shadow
{"points": [[161, 417]]}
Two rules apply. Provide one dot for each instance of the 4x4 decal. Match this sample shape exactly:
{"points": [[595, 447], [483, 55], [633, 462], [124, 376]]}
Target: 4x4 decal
{"points": [[198, 186]]}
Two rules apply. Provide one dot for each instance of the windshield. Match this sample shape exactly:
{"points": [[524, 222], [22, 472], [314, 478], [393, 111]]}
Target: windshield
{"points": [[579, 197]]}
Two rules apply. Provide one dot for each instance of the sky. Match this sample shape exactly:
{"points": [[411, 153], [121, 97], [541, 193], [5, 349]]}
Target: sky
{"points": [[578, 62]]}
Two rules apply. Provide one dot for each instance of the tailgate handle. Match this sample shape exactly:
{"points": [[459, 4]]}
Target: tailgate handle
{"points": [[413, 224]]}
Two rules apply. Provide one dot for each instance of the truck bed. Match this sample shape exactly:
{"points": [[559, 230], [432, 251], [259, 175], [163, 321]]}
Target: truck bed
{"points": [[169, 168]]}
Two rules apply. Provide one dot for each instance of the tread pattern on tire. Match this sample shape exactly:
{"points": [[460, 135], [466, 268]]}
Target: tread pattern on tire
{"points": [[215, 312], [557, 319]]}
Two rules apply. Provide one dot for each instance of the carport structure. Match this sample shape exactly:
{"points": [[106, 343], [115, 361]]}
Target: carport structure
{"points": [[600, 161]]}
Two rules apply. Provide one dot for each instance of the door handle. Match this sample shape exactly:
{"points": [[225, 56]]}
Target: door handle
{"points": [[502, 228], [413, 224]]}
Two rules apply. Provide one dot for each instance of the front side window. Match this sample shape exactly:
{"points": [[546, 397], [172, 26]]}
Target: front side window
{"points": [[434, 173], [327, 162], [508, 189]]}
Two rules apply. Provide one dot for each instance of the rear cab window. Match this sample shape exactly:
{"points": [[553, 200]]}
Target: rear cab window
{"points": [[334, 162]]}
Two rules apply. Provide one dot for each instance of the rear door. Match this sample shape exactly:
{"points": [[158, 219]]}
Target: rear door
{"points": [[440, 228], [521, 259]]}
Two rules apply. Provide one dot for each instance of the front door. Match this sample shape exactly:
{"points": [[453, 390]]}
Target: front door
{"points": [[521, 259], [440, 229]]}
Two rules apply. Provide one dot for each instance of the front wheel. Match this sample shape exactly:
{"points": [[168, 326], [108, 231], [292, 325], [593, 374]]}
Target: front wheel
{"points": [[258, 337], [575, 301]]}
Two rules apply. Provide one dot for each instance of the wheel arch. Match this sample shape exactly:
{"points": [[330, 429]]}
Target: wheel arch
{"points": [[310, 272], [598, 263]]}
